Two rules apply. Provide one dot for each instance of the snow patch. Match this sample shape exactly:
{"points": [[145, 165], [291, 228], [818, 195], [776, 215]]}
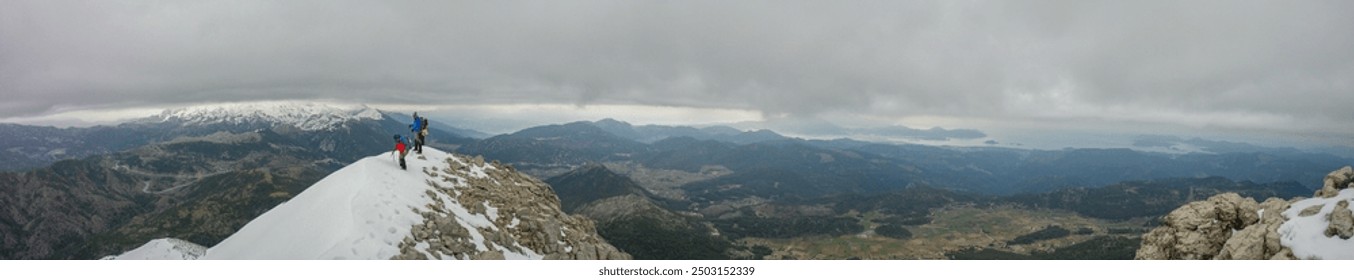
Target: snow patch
{"points": [[491, 211], [526, 254], [163, 249], [1306, 235], [478, 171]]}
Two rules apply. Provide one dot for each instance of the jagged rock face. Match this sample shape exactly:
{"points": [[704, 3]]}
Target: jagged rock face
{"points": [[1227, 226], [1199, 229], [544, 228], [1336, 181], [1260, 240], [1275, 207]]}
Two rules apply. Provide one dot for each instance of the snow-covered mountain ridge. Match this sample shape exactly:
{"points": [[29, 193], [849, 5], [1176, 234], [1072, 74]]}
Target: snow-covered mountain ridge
{"points": [[304, 115], [444, 206]]}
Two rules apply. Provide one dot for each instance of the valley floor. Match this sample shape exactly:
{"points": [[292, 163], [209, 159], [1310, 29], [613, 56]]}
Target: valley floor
{"points": [[952, 229]]}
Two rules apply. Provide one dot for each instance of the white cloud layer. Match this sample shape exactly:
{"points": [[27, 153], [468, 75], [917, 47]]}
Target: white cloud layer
{"points": [[1273, 67]]}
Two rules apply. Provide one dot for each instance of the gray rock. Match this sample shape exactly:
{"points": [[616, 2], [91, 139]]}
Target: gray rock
{"points": [[488, 255], [410, 254], [1271, 229], [542, 225], [1273, 206], [1311, 210], [1341, 221], [1247, 244], [1285, 254], [421, 232], [1227, 227], [1157, 244], [1198, 230], [1336, 181], [585, 252]]}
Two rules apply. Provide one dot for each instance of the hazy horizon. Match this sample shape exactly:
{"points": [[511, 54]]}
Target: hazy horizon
{"points": [[505, 119]]}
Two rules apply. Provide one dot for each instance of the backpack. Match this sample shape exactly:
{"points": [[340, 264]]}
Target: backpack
{"points": [[424, 131]]}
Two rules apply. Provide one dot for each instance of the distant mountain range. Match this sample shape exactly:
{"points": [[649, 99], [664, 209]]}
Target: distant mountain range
{"points": [[776, 165], [201, 173], [323, 125], [195, 174]]}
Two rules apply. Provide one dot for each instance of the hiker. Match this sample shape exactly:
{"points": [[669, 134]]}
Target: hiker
{"points": [[421, 138], [417, 128], [400, 148]]}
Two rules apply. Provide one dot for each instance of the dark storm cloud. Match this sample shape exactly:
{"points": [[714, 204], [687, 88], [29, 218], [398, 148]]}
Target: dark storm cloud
{"points": [[1277, 62]]}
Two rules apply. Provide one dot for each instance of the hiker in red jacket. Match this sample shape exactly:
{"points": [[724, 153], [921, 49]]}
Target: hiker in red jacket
{"points": [[400, 147]]}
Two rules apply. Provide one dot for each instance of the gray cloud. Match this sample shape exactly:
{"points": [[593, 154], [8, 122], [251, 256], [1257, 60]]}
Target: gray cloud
{"points": [[935, 133], [1241, 64]]}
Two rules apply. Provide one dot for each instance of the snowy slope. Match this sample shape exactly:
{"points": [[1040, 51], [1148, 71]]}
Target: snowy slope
{"points": [[362, 211], [1306, 235], [164, 249], [310, 116], [444, 206]]}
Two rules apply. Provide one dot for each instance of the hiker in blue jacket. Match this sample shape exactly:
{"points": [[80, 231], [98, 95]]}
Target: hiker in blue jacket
{"points": [[422, 135], [419, 128]]}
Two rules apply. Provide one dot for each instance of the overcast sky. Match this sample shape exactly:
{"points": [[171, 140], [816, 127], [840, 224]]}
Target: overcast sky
{"points": [[1247, 67]]}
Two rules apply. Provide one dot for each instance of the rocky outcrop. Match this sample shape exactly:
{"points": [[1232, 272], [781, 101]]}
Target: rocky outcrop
{"points": [[1200, 229], [1259, 240], [1336, 181], [502, 194], [1341, 221], [1227, 226]]}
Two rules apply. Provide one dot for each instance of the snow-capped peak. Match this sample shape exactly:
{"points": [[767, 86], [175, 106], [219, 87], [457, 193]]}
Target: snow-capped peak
{"points": [[305, 115]]}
